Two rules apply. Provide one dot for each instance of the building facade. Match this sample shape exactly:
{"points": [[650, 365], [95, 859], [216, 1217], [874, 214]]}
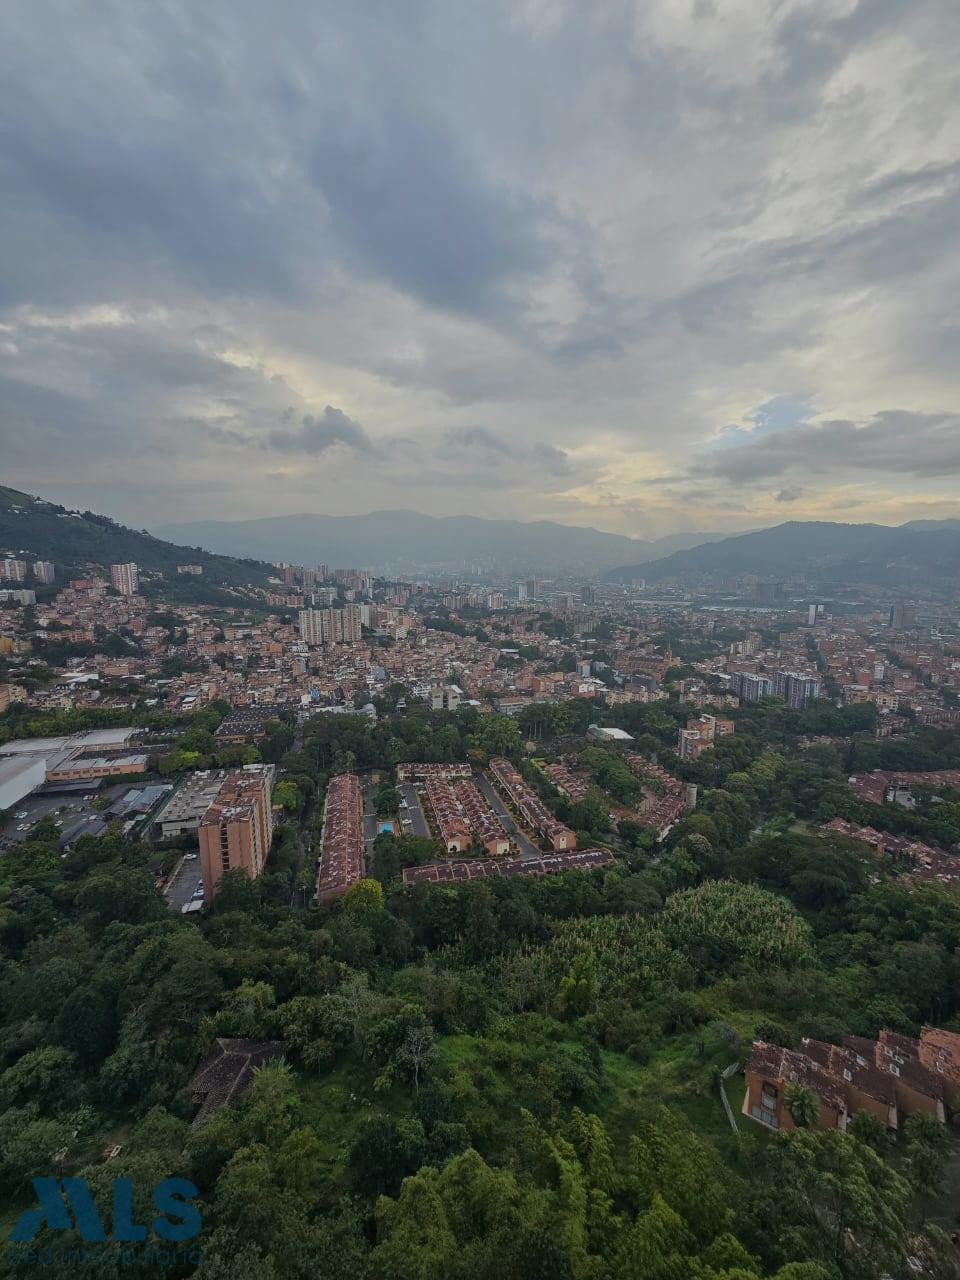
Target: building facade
{"points": [[237, 829], [892, 1076]]}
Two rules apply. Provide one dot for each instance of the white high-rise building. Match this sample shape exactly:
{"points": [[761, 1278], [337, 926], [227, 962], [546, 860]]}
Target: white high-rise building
{"points": [[331, 626], [125, 578], [311, 626]]}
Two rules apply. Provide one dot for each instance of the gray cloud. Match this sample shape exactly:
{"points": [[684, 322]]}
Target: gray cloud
{"points": [[893, 442], [487, 445], [317, 434], [649, 218]]}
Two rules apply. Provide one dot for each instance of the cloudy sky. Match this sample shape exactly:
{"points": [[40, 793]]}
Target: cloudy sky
{"points": [[650, 265]]}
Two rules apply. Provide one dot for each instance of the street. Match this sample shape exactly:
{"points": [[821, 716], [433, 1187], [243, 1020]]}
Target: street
{"points": [[528, 850], [414, 822], [180, 890]]}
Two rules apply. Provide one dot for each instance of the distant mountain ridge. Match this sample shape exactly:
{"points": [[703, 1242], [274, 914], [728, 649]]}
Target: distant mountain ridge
{"points": [[33, 527], [396, 540], [921, 550]]}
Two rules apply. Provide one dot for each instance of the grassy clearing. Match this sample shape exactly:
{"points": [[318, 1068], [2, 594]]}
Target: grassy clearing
{"points": [[338, 1104]]}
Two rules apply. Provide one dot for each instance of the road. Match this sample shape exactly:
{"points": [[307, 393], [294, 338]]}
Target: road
{"points": [[528, 850], [180, 890], [417, 822]]}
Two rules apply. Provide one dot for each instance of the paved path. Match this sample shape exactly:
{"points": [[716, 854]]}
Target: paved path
{"points": [[528, 850]]}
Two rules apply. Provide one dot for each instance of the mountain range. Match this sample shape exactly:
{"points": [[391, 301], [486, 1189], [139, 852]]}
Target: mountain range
{"points": [[236, 552], [399, 541], [919, 551]]}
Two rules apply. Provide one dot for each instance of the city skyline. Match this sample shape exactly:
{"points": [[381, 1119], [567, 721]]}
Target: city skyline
{"points": [[648, 269]]}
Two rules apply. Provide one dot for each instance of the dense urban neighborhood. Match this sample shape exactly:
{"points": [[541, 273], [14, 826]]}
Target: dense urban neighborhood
{"points": [[537, 925]]}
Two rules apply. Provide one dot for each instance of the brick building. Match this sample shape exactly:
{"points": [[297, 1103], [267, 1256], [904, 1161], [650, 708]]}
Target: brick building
{"points": [[236, 831], [889, 1077]]}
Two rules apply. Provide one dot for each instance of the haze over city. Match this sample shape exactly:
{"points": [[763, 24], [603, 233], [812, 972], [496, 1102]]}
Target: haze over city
{"points": [[647, 267]]}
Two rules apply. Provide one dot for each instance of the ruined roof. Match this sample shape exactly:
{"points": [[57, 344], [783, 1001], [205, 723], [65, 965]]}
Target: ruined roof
{"points": [[227, 1070]]}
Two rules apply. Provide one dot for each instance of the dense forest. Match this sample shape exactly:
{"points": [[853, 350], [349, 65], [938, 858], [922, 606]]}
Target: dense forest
{"points": [[510, 1078]]}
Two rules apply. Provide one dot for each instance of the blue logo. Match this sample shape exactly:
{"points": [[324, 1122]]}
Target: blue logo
{"points": [[177, 1219]]}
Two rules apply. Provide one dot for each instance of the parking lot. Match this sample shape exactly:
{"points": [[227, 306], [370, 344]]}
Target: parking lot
{"points": [[68, 809]]}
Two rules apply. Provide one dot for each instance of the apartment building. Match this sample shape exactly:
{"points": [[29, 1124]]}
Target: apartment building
{"points": [[445, 697], [236, 831], [44, 571], [13, 570], [700, 734], [749, 686], [125, 578], [797, 688], [331, 626], [892, 1076]]}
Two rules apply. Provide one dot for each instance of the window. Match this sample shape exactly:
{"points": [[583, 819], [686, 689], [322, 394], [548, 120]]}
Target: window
{"points": [[847, 1075], [894, 1071], [765, 1116]]}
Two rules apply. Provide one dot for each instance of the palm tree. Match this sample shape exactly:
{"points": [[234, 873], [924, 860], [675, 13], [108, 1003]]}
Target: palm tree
{"points": [[803, 1104]]}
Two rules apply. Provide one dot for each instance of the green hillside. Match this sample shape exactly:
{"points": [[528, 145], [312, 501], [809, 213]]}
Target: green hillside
{"points": [[32, 528]]}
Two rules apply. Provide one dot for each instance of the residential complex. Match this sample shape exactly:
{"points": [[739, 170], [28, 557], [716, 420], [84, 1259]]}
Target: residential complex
{"points": [[530, 807]]}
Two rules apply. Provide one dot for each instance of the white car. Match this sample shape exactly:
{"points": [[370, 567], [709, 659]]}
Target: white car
{"points": [[22, 813]]}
